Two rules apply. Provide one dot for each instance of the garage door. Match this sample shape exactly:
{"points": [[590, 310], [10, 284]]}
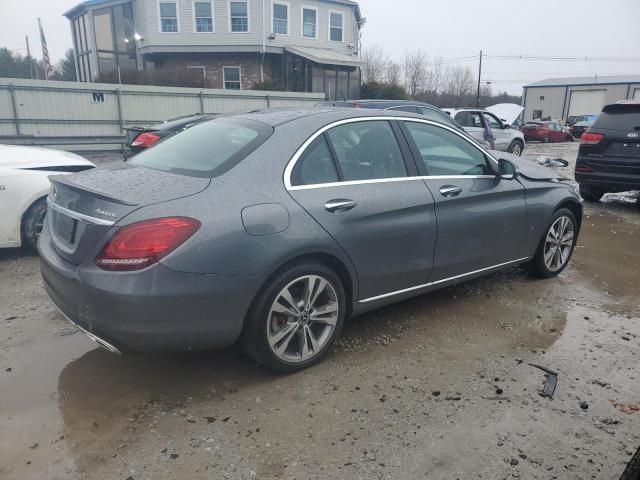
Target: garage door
{"points": [[636, 94], [586, 102]]}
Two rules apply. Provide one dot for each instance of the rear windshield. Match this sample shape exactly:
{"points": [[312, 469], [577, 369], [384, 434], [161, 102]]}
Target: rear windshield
{"points": [[205, 150], [619, 117]]}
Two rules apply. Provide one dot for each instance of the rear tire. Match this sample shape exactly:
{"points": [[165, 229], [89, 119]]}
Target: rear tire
{"points": [[287, 337], [556, 245], [546, 139], [516, 148], [32, 223], [591, 194]]}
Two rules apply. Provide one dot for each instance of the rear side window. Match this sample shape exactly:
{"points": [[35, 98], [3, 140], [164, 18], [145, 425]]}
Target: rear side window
{"points": [[367, 151], [445, 153], [315, 166], [205, 150], [436, 116], [619, 117]]}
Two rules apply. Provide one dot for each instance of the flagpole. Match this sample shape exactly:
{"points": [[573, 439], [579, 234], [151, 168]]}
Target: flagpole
{"points": [[29, 57]]}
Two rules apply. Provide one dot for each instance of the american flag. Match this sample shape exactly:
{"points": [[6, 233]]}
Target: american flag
{"points": [[48, 69]]}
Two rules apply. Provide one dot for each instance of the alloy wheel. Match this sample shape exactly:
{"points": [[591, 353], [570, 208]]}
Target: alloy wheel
{"points": [[516, 149], [302, 319], [39, 222], [558, 244]]}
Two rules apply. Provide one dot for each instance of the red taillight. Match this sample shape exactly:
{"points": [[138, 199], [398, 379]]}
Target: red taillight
{"points": [[141, 244], [583, 169], [591, 138], [145, 140]]}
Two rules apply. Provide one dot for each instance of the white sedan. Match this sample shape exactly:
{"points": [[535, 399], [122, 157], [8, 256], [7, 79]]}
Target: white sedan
{"points": [[24, 185]]}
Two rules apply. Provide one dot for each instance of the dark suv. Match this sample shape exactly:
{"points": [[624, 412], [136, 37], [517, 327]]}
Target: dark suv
{"points": [[609, 155]]}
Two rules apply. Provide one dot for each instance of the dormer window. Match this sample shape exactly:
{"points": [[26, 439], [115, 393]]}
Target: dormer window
{"points": [[239, 12], [309, 22]]}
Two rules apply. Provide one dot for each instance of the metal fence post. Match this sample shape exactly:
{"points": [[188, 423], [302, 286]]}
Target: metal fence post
{"points": [[201, 95], [268, 101], [120, 119], [16, 117]]}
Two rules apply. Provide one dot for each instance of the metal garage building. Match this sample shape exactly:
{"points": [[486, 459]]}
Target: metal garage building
{"points": [[563, 97]]}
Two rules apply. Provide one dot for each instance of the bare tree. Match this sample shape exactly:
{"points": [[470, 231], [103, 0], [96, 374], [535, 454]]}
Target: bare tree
{"points": [[375, 62], [415, 66], [435, 78], [393, 73], [459, 85]]}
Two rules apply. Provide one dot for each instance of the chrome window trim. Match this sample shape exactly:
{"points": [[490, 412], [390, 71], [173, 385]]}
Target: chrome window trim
{"points": [[292, 163], [79, 216], [419, 287]]}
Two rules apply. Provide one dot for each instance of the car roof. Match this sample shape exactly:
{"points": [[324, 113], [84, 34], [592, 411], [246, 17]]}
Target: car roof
{"points": [[373, 101], [277, 117]]}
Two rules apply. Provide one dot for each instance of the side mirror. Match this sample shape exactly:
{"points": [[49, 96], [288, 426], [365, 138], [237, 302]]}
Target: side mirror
{"points": [[507, 170]]}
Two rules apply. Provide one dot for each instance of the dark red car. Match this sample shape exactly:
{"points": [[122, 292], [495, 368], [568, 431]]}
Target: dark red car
{"points": [[546, 131]]}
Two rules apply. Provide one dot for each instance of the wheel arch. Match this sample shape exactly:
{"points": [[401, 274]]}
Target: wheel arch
{"points": [[574, 207]]}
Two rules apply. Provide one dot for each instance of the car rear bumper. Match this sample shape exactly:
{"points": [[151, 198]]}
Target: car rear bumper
{"points": [[155, 310], [609, 182]]}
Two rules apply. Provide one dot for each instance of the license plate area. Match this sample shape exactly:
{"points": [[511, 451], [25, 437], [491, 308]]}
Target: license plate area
{"points": [[66, 228]]}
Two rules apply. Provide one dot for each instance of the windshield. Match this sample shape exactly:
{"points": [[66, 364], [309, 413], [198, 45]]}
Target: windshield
{"points": [[205, 150]]}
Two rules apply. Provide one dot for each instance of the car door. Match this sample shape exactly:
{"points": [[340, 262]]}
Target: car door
{"points": [[471, 121], [502, 136], [358, 181], [481, 218]]}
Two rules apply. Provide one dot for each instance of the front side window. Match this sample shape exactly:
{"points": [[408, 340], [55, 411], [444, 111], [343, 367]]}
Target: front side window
{"points": [[168, 17], [232, 80], [281, 18], [493, 121], [309, 23], [204, 16], [335, 26], [446, 153], [315, 166], [367, 151], [205, 150], [469, 119], [239, 16]]}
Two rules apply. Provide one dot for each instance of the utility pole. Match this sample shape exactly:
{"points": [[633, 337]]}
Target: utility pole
{"points": [[29, 58], [479, 79]]}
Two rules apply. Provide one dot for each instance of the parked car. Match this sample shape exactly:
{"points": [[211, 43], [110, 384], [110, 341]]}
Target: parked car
{"points": [[579, 128], [24, 185], [573, 119], [546, 131], [475, 121], [272, 227], [609, 154], [508, 113], [141, 138]]}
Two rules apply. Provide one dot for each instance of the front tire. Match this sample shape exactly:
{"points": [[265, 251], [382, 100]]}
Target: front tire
{"points": [[591, 194], [33, 222], [516, 148], [295, 320], [556, 246]]}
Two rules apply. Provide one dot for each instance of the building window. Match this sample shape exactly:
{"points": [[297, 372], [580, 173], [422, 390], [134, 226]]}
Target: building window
{"points": [[537, 114], [335, 26], [239, 16], [231, 78], [309, 22], [281, 18], [168, 17], [203, 16]]}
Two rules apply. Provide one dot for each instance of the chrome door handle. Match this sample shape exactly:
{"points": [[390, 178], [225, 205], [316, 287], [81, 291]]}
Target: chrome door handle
{"points": [[339, 205], [450, 191]]}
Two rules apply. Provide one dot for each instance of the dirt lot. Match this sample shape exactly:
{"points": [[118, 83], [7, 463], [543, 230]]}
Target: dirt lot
{"points": [[436, 387]]}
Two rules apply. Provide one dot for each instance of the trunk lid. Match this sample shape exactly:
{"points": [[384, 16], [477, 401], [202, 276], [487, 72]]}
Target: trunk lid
{"points": [[85, 206]]}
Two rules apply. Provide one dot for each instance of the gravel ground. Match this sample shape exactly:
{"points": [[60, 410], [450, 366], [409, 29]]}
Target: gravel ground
{"points": [[437, 387]]}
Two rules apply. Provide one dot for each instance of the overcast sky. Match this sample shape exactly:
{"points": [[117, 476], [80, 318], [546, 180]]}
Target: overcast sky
{"points": [[446, 28]]}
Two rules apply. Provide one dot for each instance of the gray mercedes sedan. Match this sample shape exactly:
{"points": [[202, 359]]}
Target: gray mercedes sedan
{"points": [[271, 228]]}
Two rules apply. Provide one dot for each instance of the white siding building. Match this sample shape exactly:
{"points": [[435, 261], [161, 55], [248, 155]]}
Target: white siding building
{"points": [[565, 97], [298, 45]]}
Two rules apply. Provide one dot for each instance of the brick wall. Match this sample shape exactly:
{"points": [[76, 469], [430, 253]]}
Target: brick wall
{"points": [[249, 64]]}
